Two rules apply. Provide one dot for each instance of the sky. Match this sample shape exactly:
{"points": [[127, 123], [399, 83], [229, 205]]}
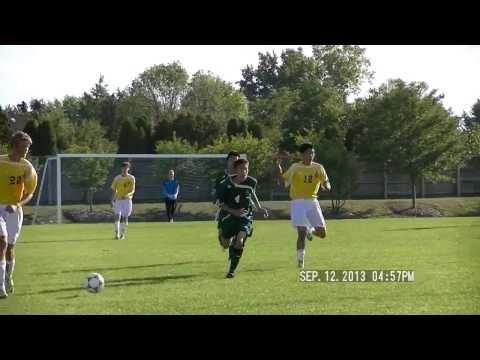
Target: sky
{"points": [[53, 71]]}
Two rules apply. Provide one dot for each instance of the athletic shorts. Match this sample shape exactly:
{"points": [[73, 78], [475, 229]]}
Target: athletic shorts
{"points": [[306, 213], [231, 225], [123, 207], [10, 224]]}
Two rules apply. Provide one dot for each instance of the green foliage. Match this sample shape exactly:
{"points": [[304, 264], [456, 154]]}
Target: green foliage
{"points": [[131, 139], [237, 127], [182, 167], [408, 130], [317, 108], [47, 140], [260, 153], [343, 67], [63, 127], [4, 129], [196, 129], [163, 86], [89, 173], [472, 119], [209, 96]]}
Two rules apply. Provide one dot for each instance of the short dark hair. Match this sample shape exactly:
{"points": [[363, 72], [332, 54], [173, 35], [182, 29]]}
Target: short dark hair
{"points": [[239, 162], [20, 136], [233, 153], [304, 147], [126, 163]]}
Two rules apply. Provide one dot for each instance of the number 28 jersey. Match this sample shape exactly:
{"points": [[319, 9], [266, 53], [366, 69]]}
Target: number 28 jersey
{"points": [[17, 178]]}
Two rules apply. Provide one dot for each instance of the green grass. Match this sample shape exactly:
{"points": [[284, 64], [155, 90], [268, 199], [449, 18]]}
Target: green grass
{"points": [[179, 268]]}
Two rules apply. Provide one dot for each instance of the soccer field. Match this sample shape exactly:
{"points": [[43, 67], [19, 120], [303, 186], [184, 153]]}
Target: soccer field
{"points": [[179, 268]]}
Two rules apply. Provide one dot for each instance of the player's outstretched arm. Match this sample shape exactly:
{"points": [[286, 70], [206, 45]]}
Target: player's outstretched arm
{"points": [[257, 204]]}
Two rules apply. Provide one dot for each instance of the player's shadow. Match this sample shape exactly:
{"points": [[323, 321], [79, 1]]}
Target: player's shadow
{"points": [[424, 228], [37, 242], [96, 269], [151, 280]]}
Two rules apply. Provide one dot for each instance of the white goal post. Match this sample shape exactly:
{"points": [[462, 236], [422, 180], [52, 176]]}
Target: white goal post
{"points": [[59, 157]]}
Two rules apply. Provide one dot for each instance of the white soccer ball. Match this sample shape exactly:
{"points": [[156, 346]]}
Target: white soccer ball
{"points": [[94, 283]]}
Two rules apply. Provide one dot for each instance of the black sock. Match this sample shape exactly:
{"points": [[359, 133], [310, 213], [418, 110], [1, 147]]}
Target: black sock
{"points": [[235, 259]]}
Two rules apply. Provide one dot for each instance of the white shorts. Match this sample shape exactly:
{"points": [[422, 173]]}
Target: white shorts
{"points": [[123, 207], [10, 224], [306, 213]]}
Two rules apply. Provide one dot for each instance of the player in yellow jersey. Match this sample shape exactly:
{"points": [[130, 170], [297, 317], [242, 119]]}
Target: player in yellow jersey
{"points": [[18, 181], [305, 179], [123, 187]]}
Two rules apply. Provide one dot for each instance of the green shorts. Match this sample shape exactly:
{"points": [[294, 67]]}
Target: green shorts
{"points": [[231, 225]]}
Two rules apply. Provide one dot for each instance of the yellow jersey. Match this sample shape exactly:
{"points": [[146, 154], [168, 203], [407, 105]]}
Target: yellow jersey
{"points": [[18, 179], [123, 186], [305, 180]]}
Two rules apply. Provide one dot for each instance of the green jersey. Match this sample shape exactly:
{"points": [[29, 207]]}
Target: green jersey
{"points": [[237, 196]]}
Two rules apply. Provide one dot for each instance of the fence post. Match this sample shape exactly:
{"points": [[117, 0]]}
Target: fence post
{"points": [[422, 189], [385, 185], [459, 182]]}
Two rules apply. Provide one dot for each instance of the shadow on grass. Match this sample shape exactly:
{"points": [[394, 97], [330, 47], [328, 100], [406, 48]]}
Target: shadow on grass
{"points": [[38, 242], [152, 280], [92, 269], [425, 228]]}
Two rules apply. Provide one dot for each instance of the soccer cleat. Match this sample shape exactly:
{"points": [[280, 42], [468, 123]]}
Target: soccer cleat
{"points": [[122, 237], [301, 264], [9, 286], [3, 294], [230, 275]]}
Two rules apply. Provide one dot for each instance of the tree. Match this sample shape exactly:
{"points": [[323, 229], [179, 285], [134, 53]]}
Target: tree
{"points": [[316, 108], [343, 67], [407, 129], [164, 86], [90, 174], [236, 127], [469, 121], [260, 153], [4, 128], [163, 131], [62, 126], [210, 96], [131, 140], [144, 126], [200, 130], [255, 129], [260, 82], [46, 141], [31, 128]]}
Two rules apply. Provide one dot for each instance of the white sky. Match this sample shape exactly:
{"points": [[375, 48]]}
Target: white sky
{"points": [[53, 71]]}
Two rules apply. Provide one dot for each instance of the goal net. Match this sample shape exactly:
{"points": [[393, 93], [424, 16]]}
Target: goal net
{"points": [[76, 187]]}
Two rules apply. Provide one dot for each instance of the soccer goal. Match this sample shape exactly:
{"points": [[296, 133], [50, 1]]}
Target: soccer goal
{"points": [[72, 183]]}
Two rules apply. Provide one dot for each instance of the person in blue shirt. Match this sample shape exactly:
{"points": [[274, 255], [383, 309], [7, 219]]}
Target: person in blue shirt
{"points": [[171, 189]]}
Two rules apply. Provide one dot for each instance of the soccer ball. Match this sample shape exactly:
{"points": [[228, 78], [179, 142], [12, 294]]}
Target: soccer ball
{"points": [[94, 283]]}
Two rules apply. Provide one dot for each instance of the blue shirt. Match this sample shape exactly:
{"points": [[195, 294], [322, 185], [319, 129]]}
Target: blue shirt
{"points": [[171, 189]]}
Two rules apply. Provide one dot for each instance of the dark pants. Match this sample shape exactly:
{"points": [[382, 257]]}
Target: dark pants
{"points": [[170, 206]]}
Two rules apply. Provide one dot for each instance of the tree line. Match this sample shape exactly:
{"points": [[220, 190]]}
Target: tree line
{"points": [[280, 102]]}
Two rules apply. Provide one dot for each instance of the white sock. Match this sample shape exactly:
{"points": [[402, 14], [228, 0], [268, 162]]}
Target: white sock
{"points": [[301, 255], [117, 227], [3, 264], [9, 268], [123, 228]]}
